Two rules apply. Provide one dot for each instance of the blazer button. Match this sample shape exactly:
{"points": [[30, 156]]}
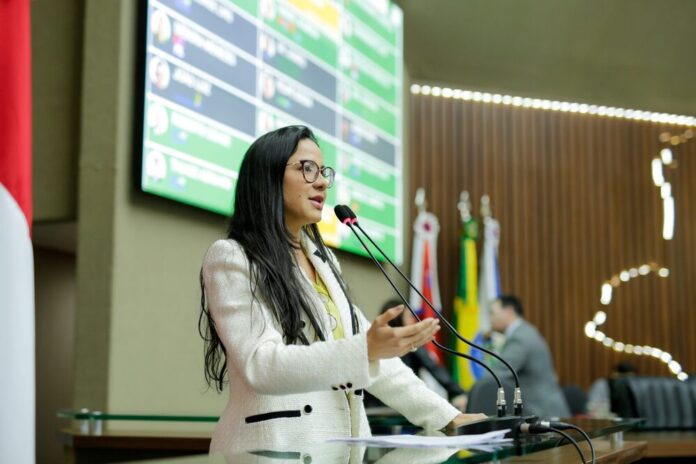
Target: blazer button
{"points": [[349, 385], [334, 387], [308, 409], [343, 387]]}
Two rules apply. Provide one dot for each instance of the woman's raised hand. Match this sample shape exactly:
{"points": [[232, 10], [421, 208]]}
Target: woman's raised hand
{"points": [[385, 341]]}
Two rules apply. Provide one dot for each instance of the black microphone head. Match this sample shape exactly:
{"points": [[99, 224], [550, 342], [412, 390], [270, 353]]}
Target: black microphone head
{"points": [[350, 212], [341, 213]]}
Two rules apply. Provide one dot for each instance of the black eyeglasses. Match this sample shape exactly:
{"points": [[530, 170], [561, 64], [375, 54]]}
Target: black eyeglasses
{"points": [[310, 171]]}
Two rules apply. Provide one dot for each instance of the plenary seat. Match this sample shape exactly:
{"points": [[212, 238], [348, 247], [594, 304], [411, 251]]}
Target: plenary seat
{"points": [[665, 403]]}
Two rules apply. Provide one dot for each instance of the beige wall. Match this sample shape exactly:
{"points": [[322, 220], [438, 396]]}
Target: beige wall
{"points": [[57, 64], [136, 295], [55, 316]]}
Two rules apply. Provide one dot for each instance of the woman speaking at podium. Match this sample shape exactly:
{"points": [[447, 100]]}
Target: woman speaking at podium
{"points": [[279, 325]]}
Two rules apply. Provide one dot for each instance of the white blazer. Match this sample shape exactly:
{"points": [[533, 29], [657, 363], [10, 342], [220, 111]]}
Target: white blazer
{"points": [[281, 395]]}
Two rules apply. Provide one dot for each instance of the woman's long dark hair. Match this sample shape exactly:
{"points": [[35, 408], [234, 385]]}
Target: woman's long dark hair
{"points": [[258, 225]]}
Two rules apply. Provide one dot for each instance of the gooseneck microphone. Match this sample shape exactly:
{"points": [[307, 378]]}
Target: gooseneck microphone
{"points": [[401, 296], [348, 217], [519, 425], [343, 213]]}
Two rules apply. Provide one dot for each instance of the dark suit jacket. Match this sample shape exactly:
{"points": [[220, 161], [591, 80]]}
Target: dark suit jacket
{"points": [[527, 352], [416, 360], [421, 359]]}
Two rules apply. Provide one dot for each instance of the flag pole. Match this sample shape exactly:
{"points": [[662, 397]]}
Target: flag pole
{"points": [[421, 203], [464, 206], [486, 207]]}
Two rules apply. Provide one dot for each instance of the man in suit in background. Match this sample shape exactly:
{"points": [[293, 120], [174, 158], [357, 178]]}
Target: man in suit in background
{"points": [[527, 352]]}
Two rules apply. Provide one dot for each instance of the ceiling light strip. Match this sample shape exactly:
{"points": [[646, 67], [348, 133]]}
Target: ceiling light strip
{"points": [[553, 105]]}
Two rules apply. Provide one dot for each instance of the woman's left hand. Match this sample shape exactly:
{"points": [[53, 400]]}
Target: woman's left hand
{"points": [[463, 419], [460, 401]]}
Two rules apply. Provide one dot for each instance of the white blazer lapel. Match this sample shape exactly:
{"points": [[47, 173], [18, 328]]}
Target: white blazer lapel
{"points": [[332, 285], [318, 305]]}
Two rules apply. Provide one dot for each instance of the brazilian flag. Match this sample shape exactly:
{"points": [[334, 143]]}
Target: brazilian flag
{"points": [[466, 313]]}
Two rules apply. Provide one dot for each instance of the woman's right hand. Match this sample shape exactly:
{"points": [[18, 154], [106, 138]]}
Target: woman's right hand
{"points": [[384, 341]]}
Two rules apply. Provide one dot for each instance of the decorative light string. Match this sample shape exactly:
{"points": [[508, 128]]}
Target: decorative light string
{"points": [[553, 105], [666, 159], [600, 318]]}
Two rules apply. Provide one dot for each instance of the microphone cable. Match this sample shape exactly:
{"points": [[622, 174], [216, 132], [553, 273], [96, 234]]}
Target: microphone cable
{"points": [[543, 426], [572, 441], [579, 430]]}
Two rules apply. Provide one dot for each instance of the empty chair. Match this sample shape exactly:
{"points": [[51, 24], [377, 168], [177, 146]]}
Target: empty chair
{"points": [[576, 399], [664, 402]]}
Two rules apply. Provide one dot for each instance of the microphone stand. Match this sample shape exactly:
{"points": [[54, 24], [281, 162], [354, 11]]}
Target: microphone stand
{"points": [[345, 215], [500, 422], [518, 425]]}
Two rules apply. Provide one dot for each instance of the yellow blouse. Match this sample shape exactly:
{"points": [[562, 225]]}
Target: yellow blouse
{"points": [[336, 325]]}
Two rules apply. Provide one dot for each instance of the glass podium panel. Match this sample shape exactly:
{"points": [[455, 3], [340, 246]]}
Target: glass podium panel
{"points": [[383, 422]]}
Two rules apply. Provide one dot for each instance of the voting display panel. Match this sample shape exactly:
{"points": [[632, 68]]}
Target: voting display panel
{"points": [[216, 74]]}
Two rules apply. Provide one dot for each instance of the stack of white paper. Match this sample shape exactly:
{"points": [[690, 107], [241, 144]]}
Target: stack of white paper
{"points": [[420, 441]]}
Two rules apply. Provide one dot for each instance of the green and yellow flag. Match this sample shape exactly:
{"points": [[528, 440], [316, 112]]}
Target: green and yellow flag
{"points": [[466, 313]]}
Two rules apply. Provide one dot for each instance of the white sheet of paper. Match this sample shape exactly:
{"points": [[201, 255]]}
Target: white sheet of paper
{"points": [[419, 441]]}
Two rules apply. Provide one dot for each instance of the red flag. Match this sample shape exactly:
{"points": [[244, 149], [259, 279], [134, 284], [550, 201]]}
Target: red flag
{"points": [[424, 271], [426, 311], [16, 257]]}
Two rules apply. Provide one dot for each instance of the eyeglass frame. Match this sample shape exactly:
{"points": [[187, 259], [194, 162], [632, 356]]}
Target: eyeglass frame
{"points": [[331, 178]]}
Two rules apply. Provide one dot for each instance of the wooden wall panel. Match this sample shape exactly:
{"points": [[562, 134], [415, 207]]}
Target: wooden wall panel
{"points": [[576, 203]]}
